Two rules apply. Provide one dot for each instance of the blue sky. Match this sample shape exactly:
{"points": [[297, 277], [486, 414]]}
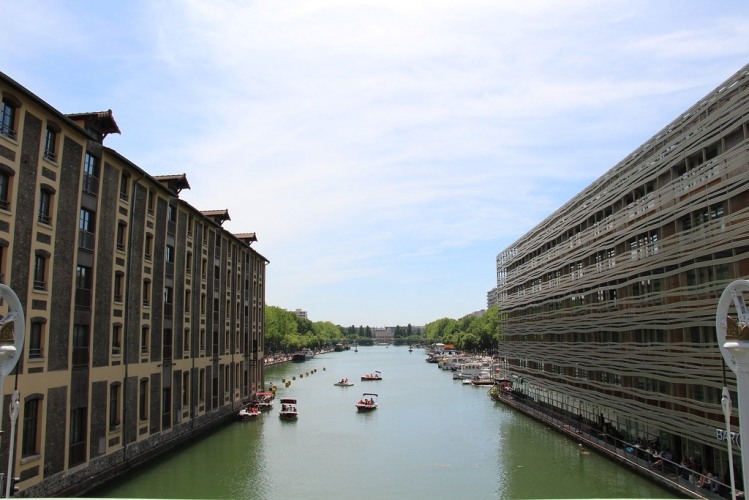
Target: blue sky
{"points": [[383, 151]]}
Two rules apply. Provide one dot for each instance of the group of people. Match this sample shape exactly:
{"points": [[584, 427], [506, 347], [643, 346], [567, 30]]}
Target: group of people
{"points": [[687, 468], [365, 401], [706, 480]]}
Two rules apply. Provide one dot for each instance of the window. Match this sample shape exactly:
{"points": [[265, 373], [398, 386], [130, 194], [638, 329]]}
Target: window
{"points": [[45, 206], [121, 235], [36, 339], [50, 143], [171, 213], [168, 294], [146, 292], [143, 400], [117, 339], [30, 439], [144, 340], [83, 287], [151, 202], [186, 389], [114, 406], [188, 298], [188, 263], [80, 346], [149, 246], [119, 286], [166, 407], [86, 225], [4, 190], [169, 254], [91, 174], [186, 341], [201, 386], [124, 186], [77, 436], [8, 118], [167, 347], [40, 270], [202, 341]]}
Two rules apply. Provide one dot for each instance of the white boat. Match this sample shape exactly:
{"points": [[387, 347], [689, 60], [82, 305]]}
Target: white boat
{"points": [[483, 378], [344, 383], [469, 370], [368, 402], [264, 400], [248, 412], [288, 409]]}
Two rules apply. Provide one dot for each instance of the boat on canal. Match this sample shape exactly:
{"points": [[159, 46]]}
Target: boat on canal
{"points": [[248, 412], [372, 376], [303, 355], [368, 402], [263, 400], [344, 383], [288, 409]]}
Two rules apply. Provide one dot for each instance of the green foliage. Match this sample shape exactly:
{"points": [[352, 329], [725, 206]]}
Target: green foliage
{"points": [[285, 331], [469, 333]]}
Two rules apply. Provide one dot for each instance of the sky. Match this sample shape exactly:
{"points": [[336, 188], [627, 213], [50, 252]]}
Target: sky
{"points": [[384, 152]]}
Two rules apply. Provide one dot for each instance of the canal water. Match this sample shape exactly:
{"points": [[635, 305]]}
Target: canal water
{"points": [[431, 437]]}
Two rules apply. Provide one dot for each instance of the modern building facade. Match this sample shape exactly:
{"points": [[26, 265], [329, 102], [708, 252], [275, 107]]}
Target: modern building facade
{"points": [[608, 305], [144, 316]]}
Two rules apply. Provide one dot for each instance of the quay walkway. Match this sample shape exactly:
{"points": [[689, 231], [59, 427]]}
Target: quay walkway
{"points": [[671, 475]]}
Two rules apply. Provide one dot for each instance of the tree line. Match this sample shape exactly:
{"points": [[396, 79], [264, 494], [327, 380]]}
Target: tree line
{"points": [[287, 332], [472, 333]]}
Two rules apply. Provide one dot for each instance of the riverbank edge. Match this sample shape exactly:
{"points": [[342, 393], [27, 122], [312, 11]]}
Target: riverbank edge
{"points": [[617, 455], [122, 465], [119, 464]]}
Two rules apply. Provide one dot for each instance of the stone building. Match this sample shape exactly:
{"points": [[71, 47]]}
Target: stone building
{"points": [[609, 304], [144, 316]]}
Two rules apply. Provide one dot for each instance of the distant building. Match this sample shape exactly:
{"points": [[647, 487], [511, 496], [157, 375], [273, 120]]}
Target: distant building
{"points": [[300, 314], [491, 298], [608, 306], [383, 334], [144, 316]]}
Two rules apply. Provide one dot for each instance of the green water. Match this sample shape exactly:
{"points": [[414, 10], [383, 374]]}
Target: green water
{"points": [[431, 437]]}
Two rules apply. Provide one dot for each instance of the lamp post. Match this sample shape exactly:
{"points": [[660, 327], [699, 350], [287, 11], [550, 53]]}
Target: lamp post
{"points": [[12, 333], [733, 340]]}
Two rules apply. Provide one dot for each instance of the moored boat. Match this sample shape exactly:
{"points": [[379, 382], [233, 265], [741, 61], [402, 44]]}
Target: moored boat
{"points": [[368, 402], [303, 355], [263, 400], [248, 412]]}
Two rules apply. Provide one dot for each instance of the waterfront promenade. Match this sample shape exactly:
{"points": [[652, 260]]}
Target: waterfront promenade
{"points": [[671, 475]]}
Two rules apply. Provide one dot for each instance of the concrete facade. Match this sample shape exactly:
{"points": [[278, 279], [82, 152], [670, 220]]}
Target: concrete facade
{"points": [[608, 306]]}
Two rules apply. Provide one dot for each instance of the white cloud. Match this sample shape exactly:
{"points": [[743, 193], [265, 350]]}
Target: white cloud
{"points": [[385, 151]]}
